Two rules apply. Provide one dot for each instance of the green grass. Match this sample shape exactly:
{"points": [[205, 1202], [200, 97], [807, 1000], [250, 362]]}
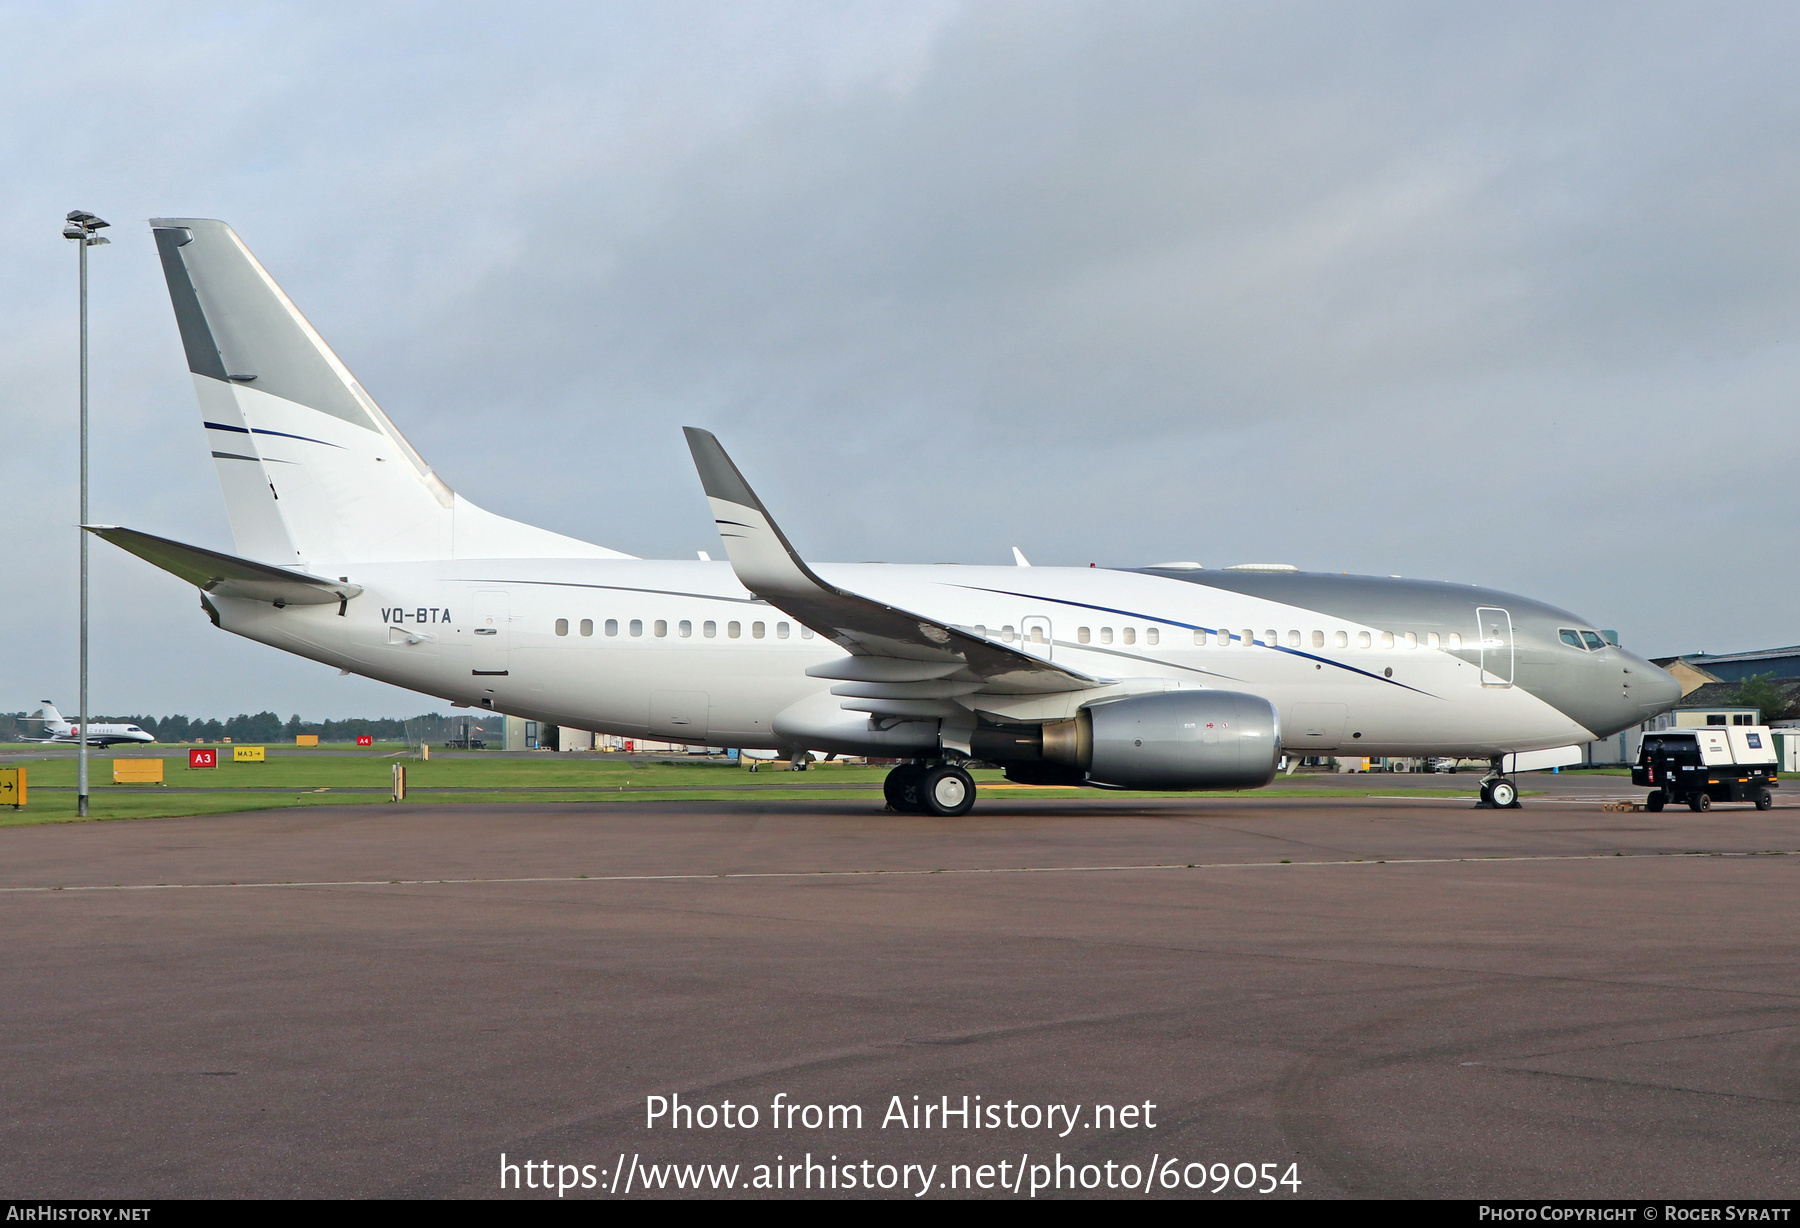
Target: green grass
{"points": [[321, 779]]}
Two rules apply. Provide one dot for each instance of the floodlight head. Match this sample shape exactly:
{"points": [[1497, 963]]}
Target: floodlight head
{"points": [[79, 215], [94, 223], [72, 231], [96, 241]]}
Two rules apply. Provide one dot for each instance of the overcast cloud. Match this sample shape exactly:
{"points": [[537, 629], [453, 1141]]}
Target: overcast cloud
{"points": [[1503, 294]]}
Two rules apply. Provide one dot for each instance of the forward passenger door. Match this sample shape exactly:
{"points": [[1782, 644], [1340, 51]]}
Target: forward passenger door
{"points": [[1495, 626]]}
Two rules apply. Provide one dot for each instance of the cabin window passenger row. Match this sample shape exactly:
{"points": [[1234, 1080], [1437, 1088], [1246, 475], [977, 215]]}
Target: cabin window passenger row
{"points": [[562, 626], [587, 626]]}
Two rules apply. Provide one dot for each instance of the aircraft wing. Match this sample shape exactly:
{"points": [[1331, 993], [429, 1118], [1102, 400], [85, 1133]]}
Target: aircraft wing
{"points": [[225, 575], [896, 648]]}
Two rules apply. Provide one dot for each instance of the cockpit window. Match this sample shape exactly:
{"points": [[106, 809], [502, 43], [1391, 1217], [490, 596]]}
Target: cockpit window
{"points": [[1571, 637], [1594, 642]]}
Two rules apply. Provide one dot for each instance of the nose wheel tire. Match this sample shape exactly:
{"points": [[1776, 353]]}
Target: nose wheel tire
{"points": [[1656, 801], [1699, 802], [1500, 795], [946, 790]]}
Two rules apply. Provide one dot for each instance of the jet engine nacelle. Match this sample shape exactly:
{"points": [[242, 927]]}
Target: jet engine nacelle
{"points": [[1185, 740]]}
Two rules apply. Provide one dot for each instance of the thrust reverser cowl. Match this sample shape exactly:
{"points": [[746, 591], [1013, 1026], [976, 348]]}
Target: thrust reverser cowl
{"points": [[1183, 740]]}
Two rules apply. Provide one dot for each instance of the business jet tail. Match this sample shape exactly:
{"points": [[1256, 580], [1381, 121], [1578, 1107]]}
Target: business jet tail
{"points": [[313, 471]]}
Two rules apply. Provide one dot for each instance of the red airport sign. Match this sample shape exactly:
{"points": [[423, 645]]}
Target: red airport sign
{"points": [[364, 740], [203, 758]]}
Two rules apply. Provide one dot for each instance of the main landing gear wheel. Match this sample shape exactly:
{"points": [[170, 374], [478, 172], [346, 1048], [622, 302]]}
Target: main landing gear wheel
{"points": [[1700, 802], [1764, 801], [901, 787], [946, 790], [1656, 801], [1500, 794]]}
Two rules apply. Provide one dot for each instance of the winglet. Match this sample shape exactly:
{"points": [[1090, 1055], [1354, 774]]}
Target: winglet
{"points": [[761, 555]]}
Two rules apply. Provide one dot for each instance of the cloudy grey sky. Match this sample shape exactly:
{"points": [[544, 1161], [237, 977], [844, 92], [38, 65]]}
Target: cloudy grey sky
{"points": [[1504, 294]]}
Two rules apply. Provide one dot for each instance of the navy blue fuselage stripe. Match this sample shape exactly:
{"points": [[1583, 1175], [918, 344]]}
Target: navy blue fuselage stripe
{"points": [[257, 430], [1175, 622]]}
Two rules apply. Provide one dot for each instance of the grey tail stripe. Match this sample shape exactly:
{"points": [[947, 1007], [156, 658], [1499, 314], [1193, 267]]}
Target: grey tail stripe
{"points": [[232, 456], [196, 335]]}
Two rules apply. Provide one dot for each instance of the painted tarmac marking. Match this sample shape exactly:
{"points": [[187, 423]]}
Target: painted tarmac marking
{"points": [[757, 874]]}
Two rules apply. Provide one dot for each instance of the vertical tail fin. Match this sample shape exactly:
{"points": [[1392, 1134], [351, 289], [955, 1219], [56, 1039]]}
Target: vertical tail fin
{"points": [[313, 472]]}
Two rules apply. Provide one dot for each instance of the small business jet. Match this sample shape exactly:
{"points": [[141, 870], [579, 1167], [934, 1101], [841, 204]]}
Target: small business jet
{"points": [[59, 731], [350, 550]]}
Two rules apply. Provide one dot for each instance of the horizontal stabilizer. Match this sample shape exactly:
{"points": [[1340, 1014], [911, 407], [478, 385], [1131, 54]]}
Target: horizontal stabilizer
{"points": [[225, 575], [769, 566]]}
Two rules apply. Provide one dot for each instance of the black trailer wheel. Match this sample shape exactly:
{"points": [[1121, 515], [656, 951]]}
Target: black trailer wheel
{"points": [[1763, 800], [901, 787], [946, 790], [1504, 794], [1700, 802], [1656, 801]]}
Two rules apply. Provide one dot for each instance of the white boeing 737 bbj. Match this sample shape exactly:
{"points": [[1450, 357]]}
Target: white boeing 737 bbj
{"points": [[351, 551]]}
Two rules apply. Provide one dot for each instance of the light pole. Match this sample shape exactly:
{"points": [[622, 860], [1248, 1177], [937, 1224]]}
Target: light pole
{"points": [[80, 226]]}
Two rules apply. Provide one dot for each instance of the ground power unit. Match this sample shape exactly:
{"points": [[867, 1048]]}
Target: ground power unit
{"points": [[1707, 764]]}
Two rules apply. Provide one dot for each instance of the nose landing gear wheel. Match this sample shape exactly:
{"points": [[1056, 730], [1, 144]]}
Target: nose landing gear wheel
{"points": [[1500, 795], [946, 790], [1699, 802]]}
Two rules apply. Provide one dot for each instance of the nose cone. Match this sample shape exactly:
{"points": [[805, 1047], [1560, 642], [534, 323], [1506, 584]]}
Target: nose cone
{"points": [[1655, 689]]}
